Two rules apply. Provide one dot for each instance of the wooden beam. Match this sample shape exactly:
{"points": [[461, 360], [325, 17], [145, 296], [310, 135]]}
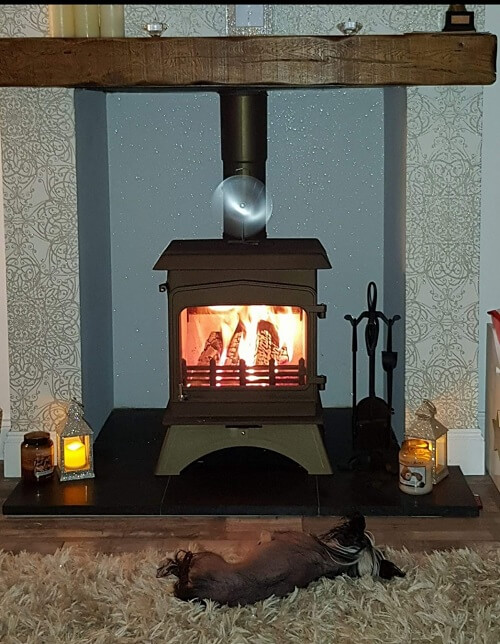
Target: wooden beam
{"points": [[259, 61]]}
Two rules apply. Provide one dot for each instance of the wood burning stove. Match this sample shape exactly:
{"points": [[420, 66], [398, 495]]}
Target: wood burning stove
{"points": [[242, 333], [242, 318]]}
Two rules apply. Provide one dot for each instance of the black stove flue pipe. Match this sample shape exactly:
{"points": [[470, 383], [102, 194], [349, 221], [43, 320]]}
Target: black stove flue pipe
{"points": [[243, 119]]}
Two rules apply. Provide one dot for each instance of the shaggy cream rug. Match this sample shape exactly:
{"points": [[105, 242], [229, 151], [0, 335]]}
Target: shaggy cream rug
{"points": [[75, 597]]}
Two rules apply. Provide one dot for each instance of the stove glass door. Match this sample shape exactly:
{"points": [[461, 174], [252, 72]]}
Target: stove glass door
{"points": [[243, 346]]}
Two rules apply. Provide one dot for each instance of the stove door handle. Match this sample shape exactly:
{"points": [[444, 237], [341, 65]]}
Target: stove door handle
{"points": [[318, 380], [319, 309]]}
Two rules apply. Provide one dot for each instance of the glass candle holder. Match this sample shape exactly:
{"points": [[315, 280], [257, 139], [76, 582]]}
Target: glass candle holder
{"points": [[155, 28], [37, 457], [415, 467], [426, 427], [74, 446]]}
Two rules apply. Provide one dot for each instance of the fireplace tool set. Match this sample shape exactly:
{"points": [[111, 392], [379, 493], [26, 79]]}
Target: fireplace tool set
{"points": [[371, 416]]}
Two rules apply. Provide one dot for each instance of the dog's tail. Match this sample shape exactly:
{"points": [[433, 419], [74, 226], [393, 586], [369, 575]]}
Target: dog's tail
{"points": [[178, 566]]}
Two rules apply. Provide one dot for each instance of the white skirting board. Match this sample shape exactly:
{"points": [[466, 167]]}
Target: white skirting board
{"points": [[4, 431], [12, 454], [466, 448]]}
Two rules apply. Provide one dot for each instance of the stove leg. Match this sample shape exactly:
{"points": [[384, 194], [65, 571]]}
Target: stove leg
{"points": [[184, 444]]}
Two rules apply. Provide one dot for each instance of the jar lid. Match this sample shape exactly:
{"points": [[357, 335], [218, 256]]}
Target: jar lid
{"points": [[37, 438]]}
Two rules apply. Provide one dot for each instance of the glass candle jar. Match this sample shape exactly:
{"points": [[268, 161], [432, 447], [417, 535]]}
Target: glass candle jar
{"points": [[415, 467], [37, 456]]}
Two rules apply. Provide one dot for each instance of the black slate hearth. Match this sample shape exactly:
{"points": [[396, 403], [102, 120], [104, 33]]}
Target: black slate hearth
{"points": [[240, 481]]}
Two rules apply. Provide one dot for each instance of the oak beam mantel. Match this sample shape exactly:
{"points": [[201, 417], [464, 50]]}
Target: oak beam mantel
{"points": [[258, 61]]}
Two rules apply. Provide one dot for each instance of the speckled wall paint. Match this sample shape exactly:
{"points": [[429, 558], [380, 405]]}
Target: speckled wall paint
{"points": [[444, 139], [326, 181]]}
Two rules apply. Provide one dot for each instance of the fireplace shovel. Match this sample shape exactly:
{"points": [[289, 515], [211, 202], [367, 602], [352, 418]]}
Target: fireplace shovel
{"points": [[372, 415], [390, 360]]}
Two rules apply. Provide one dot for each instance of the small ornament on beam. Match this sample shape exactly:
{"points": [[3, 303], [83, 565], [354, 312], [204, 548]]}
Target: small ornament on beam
{"points": [[459, 19]]}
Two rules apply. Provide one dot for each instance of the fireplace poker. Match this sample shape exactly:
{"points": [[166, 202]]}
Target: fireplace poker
{"points": [[354, 348]]}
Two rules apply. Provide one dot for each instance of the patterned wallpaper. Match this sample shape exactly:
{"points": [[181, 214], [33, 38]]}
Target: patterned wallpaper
{"points": [[37, 129], [442, 266], [443, 192], [21, 20]]}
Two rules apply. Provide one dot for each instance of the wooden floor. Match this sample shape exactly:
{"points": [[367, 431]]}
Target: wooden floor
{"points": [[130, 534]]}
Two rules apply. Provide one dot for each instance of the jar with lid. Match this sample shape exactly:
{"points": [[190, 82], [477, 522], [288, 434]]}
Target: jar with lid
{"points": [[37, 456], [415, 467]]}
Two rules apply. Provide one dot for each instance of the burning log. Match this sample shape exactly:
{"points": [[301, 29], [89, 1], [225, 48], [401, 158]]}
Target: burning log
{"points": [[212, 350], [234, 345], [268, 345]]}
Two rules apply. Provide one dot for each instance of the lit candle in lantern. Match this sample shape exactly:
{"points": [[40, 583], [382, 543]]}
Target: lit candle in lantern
{"points": [[86, 20], [61, 20], [75, 454], [74, 445], [112, 20]]}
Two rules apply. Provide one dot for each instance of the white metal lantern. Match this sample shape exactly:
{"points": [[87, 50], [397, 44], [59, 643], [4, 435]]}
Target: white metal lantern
{"points": [[74, 446], [426, 427]]}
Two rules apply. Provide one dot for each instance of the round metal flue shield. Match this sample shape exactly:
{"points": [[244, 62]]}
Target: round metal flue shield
{"points": [[244, 204]]}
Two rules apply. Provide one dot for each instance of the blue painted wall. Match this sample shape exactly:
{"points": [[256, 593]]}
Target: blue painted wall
{"points": [[395, 136], [326, 177], [94, 247]]}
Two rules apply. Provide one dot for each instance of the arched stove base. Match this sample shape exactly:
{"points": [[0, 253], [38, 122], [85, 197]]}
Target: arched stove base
{"points": [[184, 444]]}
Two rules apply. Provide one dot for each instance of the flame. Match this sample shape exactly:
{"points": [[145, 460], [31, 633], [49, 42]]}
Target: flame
{"points": [[243, 322]]}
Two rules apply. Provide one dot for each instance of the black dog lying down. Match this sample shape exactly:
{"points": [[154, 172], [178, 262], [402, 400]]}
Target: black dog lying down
{"points": [[277, 566]]}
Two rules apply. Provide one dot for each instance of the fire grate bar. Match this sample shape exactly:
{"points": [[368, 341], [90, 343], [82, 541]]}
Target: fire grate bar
{"points": [[241, 375]]}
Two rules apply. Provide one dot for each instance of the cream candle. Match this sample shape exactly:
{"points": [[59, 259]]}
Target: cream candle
{"points": [[86, 20], [415, 467], [75, 454], [61, 21], [112, 20]]}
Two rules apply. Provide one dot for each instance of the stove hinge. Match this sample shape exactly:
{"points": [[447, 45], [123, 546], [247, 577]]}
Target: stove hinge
{"points": [[318, 380], [163, 287], [319, 309]]}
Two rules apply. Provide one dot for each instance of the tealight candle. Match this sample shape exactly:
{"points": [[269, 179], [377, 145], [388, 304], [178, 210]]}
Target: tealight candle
{"points": [[86, 20], [112, 20], [61, 21], [75, 454]]}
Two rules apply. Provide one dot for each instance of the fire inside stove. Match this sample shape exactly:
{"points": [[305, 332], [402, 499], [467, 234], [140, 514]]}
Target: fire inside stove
{"points": [[243, 346]]}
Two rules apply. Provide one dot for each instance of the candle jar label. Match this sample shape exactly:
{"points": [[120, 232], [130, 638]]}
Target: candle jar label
{"points": [[43, 466], [412, 476]]}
